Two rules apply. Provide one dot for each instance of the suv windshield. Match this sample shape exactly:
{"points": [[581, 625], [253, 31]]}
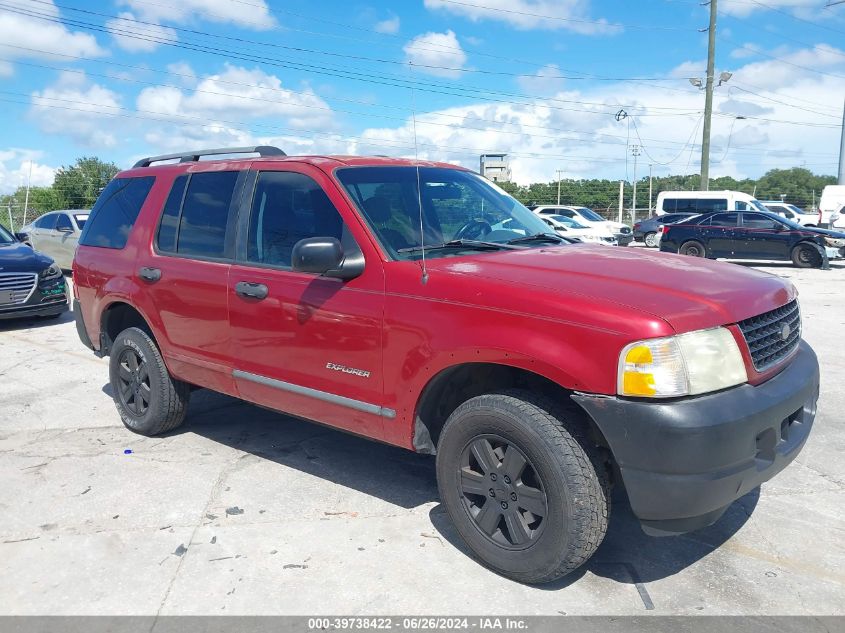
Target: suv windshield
{"points": [[5, 236], [568, 222], [591, 215], [459, 210]]}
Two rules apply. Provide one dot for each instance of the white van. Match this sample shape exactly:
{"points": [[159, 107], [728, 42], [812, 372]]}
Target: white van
{"points": [[830, 206], [704, 201]]}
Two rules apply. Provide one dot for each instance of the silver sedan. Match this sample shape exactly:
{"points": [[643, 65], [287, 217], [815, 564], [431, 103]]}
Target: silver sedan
{"points": [[57, 234]]}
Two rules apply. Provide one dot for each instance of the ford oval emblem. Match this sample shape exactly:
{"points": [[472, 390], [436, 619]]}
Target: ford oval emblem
{"points": [[785, 331]]}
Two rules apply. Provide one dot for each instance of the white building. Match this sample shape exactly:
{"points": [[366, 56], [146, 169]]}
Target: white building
{"points": [[495, 167]]}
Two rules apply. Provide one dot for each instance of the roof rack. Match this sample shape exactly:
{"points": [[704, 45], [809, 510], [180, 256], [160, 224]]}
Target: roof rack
{"points": [[192, 157]]}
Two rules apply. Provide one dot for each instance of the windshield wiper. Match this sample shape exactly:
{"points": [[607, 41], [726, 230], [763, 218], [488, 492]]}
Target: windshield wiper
{"points": [[471, 244], [538, 237]]}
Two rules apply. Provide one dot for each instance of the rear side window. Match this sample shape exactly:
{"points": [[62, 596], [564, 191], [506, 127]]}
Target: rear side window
{"points": [[167, 229], [63, 223], [115, 212], [724, 219], [205, 214], [46, 222], [711, 204]]}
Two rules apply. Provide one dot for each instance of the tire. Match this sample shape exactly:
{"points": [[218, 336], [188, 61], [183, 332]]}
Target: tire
{"points": [[805, 255], [651, 239], [564, 474], [693, 248], [147, 398]]}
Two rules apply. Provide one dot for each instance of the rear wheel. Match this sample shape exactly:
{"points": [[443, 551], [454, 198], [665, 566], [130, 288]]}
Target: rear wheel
{"points": [[651, 239], [806, 255], [526, 495], [148, 399], [692, 248]]}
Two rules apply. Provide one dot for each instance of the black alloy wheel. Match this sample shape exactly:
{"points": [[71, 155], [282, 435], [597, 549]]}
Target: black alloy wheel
{"points": [[502, 492], [133, 382]]}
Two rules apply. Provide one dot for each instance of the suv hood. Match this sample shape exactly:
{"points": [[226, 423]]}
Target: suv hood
{"points": [[20, 258], [688, 293]]}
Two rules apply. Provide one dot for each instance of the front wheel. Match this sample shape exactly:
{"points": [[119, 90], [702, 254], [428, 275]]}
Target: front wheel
{"points": [[651, 240], [806, 256], [693, 249], [148, 399], [528, 498]]}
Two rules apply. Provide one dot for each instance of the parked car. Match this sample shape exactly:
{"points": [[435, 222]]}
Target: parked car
{"points": [[375, 295], [31, 284], [583, 215], [648, 230], [57, 234], [752, 235], [567, 227], [791, 212], [705, 202], [832, 207]]}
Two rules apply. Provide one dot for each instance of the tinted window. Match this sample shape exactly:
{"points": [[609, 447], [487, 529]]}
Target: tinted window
{"points": [[288, 207], [81, 219], [757, 221], [724, 219], [166, 239], [63, 222], [46, 221], [115, 212], [741, 206], [205, 213], [711, 204]]}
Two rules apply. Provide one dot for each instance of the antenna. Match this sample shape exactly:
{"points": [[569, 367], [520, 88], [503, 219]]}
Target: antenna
{"points": [[417, 161]]}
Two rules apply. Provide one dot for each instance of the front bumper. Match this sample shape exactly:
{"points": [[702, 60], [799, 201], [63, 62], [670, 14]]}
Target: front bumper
{"points": [[49, 298], [624, 238], [683, 462]]}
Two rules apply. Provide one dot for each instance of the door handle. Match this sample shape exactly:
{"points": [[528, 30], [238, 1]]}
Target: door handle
{"points": [[149, 274], [251, 290]]}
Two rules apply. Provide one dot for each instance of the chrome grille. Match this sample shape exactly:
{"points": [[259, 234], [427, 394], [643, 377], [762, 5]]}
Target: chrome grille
{"points": [[772, 336], [18, 286]]}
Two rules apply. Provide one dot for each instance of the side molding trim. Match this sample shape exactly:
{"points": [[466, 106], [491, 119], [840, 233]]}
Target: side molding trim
{"points": [[325, 396]]}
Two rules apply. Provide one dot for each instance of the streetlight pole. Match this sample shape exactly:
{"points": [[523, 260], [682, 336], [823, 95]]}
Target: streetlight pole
{"points": [[650, 208], [26, 200], [635, 151], [708, 99], [558, 186]]}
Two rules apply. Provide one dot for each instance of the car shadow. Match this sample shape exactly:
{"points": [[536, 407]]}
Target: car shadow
{"points": [[627, 555], [834, 265], [34, 322], [395, 475]]}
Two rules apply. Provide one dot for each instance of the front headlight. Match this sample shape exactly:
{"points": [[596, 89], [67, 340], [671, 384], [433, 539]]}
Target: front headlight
{"points": [[683, 365], [51, 272], [836, 242]]}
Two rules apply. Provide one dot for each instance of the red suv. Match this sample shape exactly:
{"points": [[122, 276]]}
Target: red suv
{"points": [[418, 304]]}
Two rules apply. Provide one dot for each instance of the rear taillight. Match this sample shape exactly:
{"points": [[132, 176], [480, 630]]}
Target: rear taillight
{"points": [[663, 230]]}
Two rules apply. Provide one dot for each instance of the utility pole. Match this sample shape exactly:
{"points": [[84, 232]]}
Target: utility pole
{"points": [[708, 98], [26, 200], [650, 207], [621, 199], [558, 186], [842, 152], [635, 151]]}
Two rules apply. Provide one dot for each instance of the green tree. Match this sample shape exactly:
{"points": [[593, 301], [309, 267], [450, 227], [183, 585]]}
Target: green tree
{"points": [[81, 183]]}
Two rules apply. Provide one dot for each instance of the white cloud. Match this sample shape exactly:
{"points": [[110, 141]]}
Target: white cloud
{"points": [[185, 72], [15, 171], [389, 26], [545, 81], [238, 94], [25, 37], [572, 15], [438, 54], [543, 135], [136, 37], [254, 15], [86, 117]]}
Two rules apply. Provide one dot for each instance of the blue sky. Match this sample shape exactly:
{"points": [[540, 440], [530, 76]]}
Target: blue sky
{"points": [[539, 79]]}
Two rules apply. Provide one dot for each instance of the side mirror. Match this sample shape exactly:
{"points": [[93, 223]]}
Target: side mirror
{"points": [[779, 226], [324, 256], [21, 237]]}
